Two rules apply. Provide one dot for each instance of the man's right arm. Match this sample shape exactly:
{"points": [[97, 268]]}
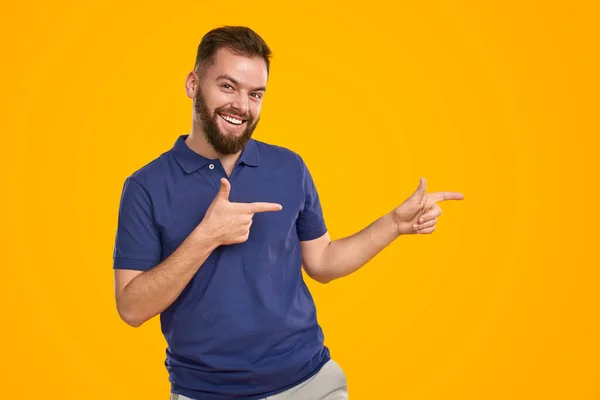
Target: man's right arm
{"points": [[141, 295]]}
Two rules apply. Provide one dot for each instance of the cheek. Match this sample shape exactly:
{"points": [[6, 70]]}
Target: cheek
{"points": [[255, 110], [215, 99]]}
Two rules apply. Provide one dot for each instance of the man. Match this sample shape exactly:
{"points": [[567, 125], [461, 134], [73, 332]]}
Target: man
{"points": [[212, 235]]}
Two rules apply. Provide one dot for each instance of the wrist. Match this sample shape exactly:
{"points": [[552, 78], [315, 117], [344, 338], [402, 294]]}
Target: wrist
{"points": [[203, 235], [394, 225]]}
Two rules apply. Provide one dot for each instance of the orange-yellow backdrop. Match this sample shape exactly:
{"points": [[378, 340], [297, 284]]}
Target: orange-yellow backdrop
{"points": [[496, 100]]}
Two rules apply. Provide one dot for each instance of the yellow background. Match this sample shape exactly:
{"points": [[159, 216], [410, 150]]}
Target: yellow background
{"points": [[498, 101]]}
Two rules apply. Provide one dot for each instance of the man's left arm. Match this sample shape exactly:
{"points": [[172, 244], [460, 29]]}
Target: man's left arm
{"points": [[325, 260]]}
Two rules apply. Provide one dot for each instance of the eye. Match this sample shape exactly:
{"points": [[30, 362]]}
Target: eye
{"points": [[257, 95], [226, 86]]}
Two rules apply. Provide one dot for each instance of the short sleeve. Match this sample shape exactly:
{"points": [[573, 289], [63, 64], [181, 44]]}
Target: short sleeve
{"points": [[137, 244], [310, 223]]}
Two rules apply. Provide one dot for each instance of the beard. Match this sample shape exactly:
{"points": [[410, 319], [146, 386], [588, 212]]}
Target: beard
{"points": [[223, 143]]}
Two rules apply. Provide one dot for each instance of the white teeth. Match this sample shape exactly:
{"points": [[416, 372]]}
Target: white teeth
{"points": [[231, 119]]}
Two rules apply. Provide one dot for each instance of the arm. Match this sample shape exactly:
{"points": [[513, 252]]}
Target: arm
{"points": [[142, 295], [325, 260]]}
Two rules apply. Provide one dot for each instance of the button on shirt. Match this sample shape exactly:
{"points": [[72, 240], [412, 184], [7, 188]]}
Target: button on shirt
{"points": [[246, 324]]}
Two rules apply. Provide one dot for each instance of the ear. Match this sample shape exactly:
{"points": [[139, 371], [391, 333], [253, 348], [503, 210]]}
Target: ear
{"points": [[192, 84]]}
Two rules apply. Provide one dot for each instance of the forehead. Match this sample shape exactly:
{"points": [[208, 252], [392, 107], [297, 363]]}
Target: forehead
{"points": [[249, 71]]}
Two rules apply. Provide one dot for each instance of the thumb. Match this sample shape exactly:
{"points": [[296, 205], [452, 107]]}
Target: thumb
{"points": [[224, 190], [420, 192]]}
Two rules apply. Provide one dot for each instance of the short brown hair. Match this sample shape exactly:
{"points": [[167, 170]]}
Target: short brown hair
{"points": [[240, 39]]}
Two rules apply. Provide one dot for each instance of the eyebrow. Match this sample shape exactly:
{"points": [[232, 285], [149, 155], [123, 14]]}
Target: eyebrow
{"points": [[262, 88]]}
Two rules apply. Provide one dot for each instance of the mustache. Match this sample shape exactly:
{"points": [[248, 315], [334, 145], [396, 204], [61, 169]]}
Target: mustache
{"points": [[233, 113]]}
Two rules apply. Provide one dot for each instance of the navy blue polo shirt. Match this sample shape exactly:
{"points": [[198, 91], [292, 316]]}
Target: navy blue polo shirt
{"points": [[245, 326]]}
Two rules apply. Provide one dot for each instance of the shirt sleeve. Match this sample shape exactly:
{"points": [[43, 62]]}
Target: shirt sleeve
{"points": [[137, 244], [310, 223]]}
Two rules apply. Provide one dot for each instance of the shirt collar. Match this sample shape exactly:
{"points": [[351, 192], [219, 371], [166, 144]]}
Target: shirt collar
{"points": [[191, 161]]}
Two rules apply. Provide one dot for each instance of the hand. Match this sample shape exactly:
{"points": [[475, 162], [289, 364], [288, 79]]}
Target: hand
{"points": [[418, 213], [229, 223]]}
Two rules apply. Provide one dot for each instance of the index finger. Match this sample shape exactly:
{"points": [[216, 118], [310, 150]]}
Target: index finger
{"points": [[257, 207], [441, 196]]}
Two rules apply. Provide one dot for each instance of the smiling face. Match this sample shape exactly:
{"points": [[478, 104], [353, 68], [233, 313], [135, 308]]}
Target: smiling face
{"points": [[227, 103]]}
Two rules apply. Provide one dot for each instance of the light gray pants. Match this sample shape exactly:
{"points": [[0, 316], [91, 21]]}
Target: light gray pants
{"points": [[328, 384]]}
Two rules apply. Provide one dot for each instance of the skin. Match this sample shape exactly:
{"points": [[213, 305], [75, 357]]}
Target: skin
{"points": [[235, 85]]}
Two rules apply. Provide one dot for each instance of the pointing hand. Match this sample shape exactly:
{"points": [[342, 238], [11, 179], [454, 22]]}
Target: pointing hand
{"points": [[229, 222], [419, 213]]}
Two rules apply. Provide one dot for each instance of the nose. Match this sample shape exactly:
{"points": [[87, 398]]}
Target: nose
{"points": [[240, 104]]}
